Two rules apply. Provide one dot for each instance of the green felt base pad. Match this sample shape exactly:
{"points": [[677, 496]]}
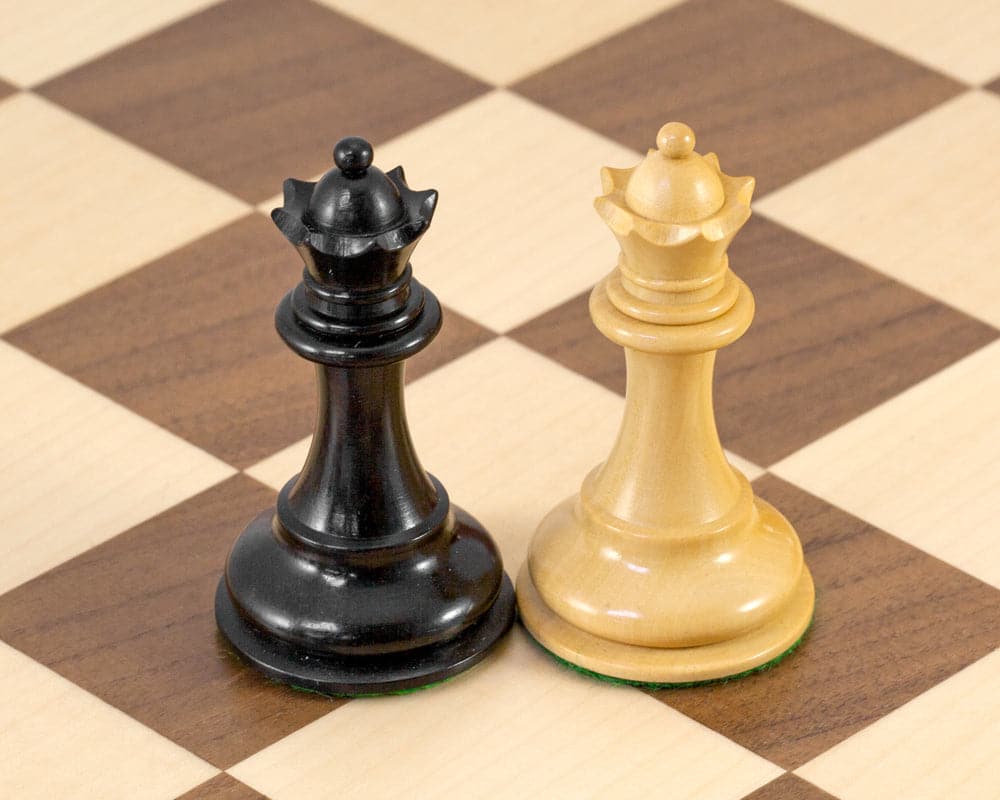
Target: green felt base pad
{"points": [[686, 685]]}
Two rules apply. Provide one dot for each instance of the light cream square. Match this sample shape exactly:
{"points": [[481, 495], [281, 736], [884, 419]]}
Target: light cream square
{"points": [[515, 232], [517, 726], [958, 38], [919, 204], [81, 207], [78, 469], [943, 744], [921, 466], [500, 42], [509, 433], [43, 38], [59, 741]]}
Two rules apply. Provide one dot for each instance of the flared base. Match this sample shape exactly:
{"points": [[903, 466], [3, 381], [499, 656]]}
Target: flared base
{"points": [[668, 665], [364, 674]]}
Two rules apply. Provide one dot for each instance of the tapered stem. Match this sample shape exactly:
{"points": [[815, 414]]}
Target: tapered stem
{"points": [[667, 467], [362, 477]]}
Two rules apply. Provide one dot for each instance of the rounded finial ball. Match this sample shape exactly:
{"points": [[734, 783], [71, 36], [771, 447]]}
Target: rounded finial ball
{"points": [[675, 140], [352, 155]]}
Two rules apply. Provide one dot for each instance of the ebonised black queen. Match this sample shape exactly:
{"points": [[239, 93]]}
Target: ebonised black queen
{"points": [[364, 578]]}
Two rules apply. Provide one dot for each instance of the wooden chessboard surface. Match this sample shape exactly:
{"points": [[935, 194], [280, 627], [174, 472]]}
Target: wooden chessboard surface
{"points": [[149, 409]]}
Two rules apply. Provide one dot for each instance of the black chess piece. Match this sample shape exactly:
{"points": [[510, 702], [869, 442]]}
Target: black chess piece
{"points": [[364, 578]]}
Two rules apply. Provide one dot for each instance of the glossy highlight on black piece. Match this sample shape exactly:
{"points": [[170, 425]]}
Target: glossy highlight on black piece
{"points": [[364, 578]]}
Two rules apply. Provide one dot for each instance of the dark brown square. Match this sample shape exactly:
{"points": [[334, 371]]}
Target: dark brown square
{"points": [[132, 622], [6, 89], [994, 86], [891, 622], [189, 342], [789, 787], [775, 91], [248, 93], [831, 339], [222, 787]]}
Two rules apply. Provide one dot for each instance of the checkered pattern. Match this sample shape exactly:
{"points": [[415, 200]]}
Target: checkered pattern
{"points": [[149, 409]]}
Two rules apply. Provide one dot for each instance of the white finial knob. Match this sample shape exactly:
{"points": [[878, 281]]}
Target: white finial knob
{"points": [[675, 140]]}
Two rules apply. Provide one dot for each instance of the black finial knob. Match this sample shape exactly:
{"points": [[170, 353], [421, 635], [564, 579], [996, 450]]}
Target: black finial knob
{"points": [[353, 156]]}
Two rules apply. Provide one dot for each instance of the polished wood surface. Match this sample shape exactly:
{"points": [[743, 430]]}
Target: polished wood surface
{"points": [[364, 578], [92, 637], [830, 340], [207, 368], [222, 787], [789, 787], [250, 112], [665, 568], [849, 672], [773, 89], [142, 150]]}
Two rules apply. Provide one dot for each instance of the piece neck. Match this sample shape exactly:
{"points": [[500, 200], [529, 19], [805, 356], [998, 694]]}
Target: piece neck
{"points": [[358, 328], [354, 307]]}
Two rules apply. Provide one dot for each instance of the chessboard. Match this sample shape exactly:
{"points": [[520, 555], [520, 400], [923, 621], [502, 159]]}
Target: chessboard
{"points": [[150, 410]]}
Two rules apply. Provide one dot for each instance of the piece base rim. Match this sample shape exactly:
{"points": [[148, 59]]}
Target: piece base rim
{"points": [[665, 667], [363, 676]]}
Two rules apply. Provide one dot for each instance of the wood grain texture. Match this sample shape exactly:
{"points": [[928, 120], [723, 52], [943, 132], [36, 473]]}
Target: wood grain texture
{"points": [[245, 115], [517, 726], [774, 90], [222, 787], [959, 39], [93, 225], [505, 430], [664, 568], [507, 159], [918, 204], [60, 741], [944, 743], [923, 466], [365, 579], [566, 334], [831, 339], [881, 636], [509, 431], [789, 787], [79, 469], [491, 40], [43, 38], [131, 621], [193, 345]]}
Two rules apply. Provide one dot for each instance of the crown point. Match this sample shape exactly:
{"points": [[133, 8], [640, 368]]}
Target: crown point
{"points": [[675, 140], [353, 156]]}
